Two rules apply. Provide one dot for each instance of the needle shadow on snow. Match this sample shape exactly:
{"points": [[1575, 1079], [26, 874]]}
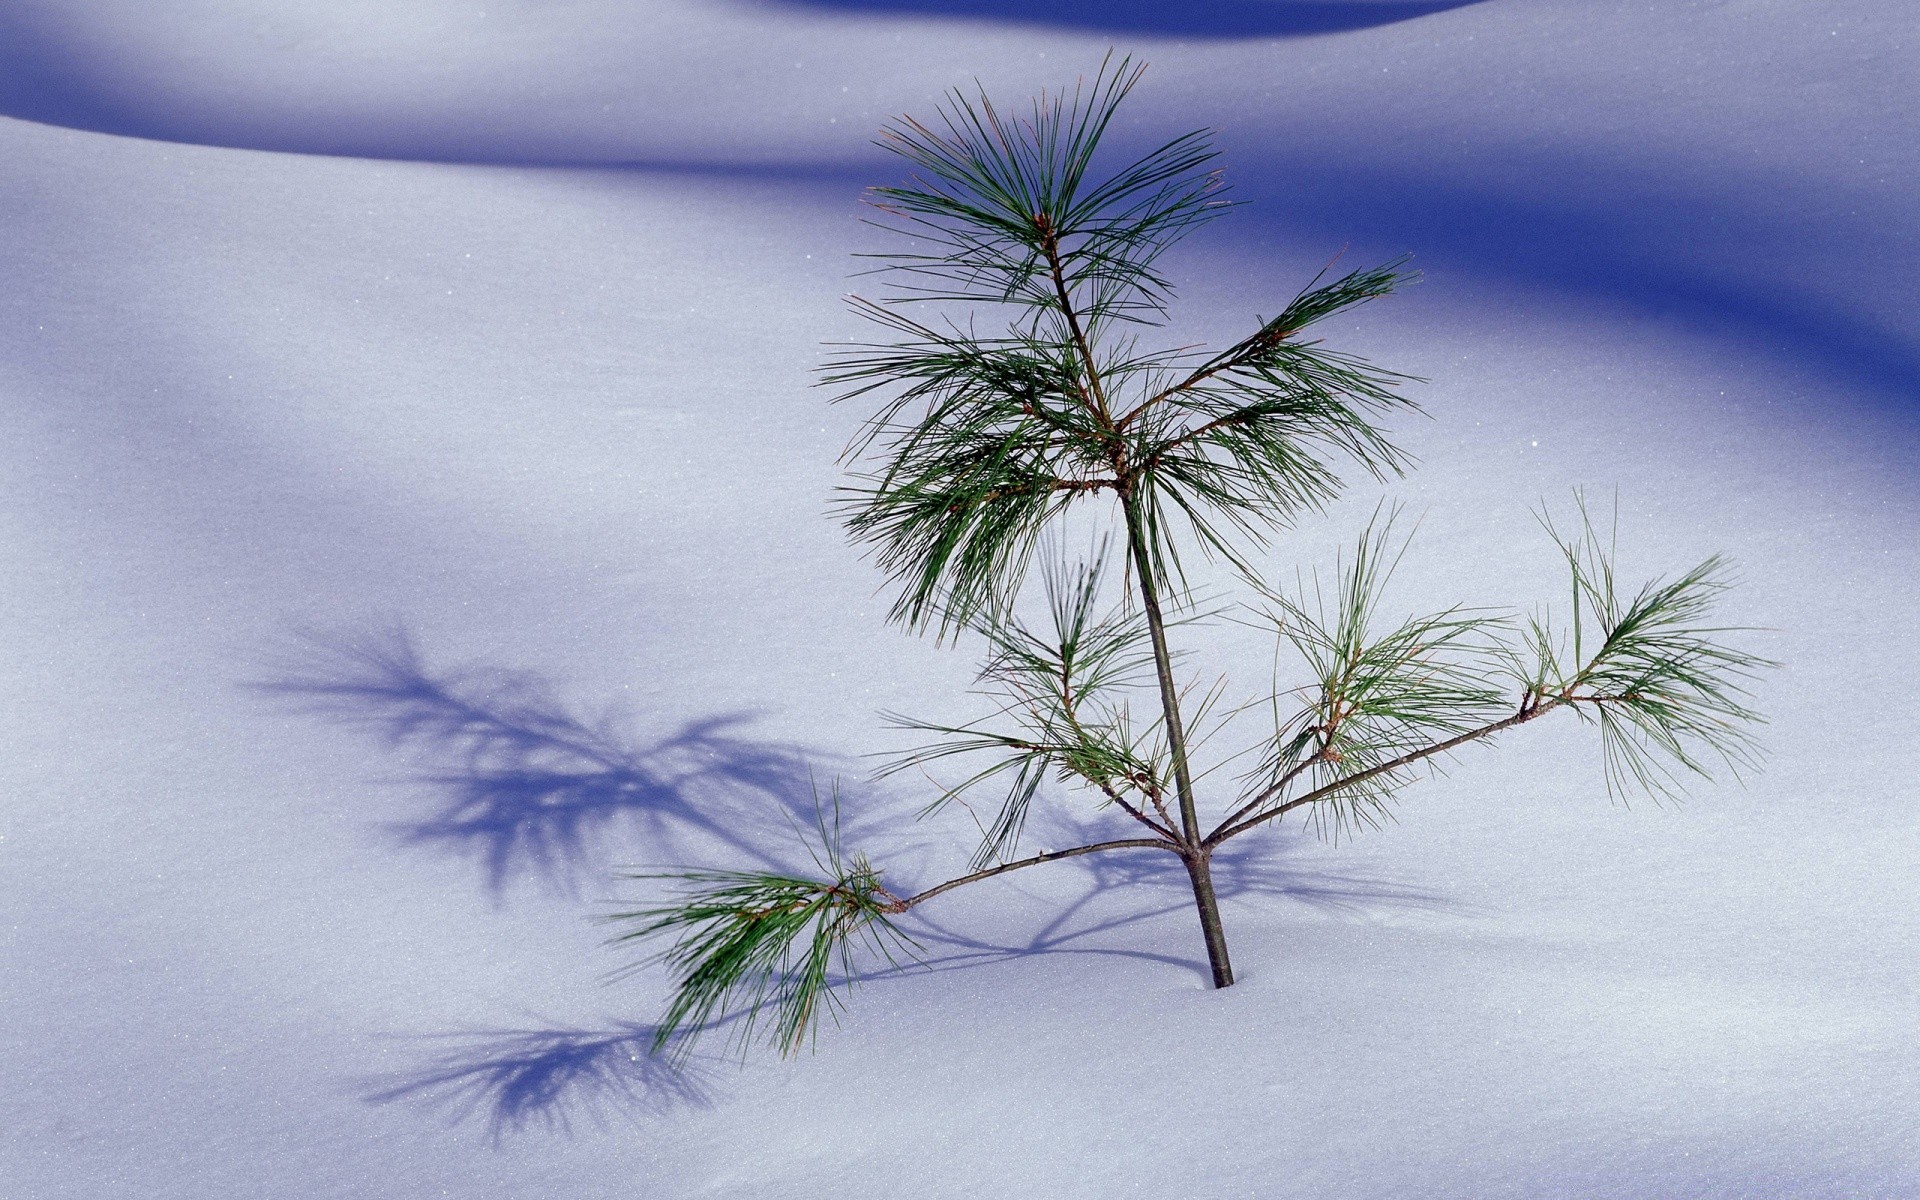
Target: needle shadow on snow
{"points": [[532, 790], [520, 1081], [548, 1080], [535, 792], [1212, 19]]}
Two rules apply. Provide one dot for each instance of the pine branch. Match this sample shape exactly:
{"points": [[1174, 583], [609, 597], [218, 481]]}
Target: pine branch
{"points": [[1376, 695], [1245, 444], [1361, 778], [746, 942], [1669, 694], [1047, 682], [1263, 345], [992, 190], [1661, 684]]}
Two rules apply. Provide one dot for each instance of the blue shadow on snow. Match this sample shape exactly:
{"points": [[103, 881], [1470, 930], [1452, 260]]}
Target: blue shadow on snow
{"points": [[532, 789], [1661, 242], [535, 792], [1221, 19], [532, 1080]]}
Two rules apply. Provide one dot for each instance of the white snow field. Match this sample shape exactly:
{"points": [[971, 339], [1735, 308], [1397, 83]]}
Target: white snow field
{"points": [[363, 361]]}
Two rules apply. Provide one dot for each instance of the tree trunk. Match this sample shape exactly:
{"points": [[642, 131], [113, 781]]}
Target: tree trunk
{"points": [[1199, 866], [1200, 870]]}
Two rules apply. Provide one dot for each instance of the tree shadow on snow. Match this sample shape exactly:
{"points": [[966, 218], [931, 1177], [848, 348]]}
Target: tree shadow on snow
{"points": [[62, 69], [535, 792], [548, 1080]]}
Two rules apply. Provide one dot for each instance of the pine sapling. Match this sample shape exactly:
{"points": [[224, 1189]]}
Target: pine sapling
{"points": [[982, 441]]}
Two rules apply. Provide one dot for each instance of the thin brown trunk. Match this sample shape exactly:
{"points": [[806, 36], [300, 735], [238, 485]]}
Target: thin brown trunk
{"points": [[1200, 871], [1197, 856]]}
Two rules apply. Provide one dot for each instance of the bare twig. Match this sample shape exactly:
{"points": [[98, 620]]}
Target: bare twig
{"points": [[900, 904]]}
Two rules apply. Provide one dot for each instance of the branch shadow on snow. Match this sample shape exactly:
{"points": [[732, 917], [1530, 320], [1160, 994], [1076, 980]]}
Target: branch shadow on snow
{"points": [[549, 1080], [1211, 19], [535, 792], [552, 1080]]}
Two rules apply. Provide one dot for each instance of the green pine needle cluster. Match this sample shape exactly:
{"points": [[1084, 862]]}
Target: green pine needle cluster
{"points": [[1064, 690], [985, 438], [1653, 671], [999, 200], [756, 944], [1376, 695]]}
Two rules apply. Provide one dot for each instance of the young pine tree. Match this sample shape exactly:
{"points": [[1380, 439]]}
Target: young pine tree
{"points": [[983, 440]]}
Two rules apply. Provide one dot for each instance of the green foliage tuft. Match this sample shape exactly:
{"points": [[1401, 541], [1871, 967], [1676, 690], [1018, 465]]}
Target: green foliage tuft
{"points": [[1063, 689], [988, 439], [1000, 198], [1376, 696], [754, 943], [1667, 690]]}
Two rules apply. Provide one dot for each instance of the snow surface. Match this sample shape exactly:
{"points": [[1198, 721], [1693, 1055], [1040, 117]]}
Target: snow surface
{"points": [[481, 332]]}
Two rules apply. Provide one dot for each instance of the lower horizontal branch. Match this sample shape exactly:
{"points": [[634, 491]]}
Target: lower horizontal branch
{"points": [[900, 905]]}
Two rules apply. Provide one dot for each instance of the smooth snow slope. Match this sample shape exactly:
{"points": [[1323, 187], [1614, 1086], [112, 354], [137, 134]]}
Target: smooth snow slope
{"points": [[480, 333]]}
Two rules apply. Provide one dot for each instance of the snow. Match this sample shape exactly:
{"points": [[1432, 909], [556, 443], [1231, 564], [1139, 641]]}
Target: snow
{"points": [[489, 326]]}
